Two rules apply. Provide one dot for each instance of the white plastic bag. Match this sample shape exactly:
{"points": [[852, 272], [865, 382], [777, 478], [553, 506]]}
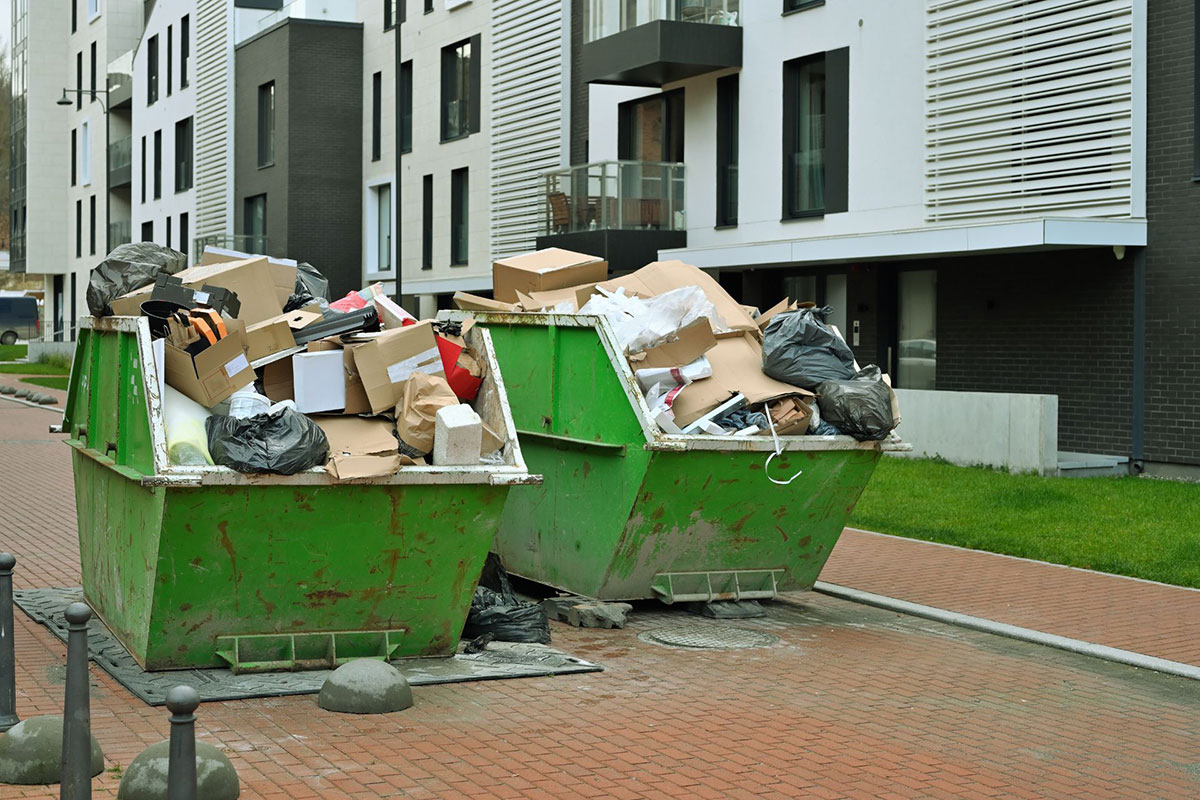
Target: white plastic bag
{"points": [[640, 323], [187, 439], [662, 385]]}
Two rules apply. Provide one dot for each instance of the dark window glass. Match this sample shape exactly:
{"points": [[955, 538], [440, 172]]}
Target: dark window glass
{"points": [[167, 225], [79, 229], [389, 14], [376, 115], [183, 234], [74, 155], [79, 80], [459, 217], [804, 148], [144, 173], [428, 6], [93, 72], [651, 129], [266, 124], [460, 89], [157, 164], [183, 155], [800, 5], [74, 15], [256, 223], [406, 99], [403, 10], [92, 219], [185, 43], [170, 57], [147, 231], [727, 150], [427, 222], [152, 71]]}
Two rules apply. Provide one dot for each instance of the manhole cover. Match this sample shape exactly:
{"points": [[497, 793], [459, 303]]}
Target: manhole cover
{"points": [[709, 637]]}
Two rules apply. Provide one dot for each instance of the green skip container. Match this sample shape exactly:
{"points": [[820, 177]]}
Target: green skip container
{"points": [[627, 512], [193, 567]]}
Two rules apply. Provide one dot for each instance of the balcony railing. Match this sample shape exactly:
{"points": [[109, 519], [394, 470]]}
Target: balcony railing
{"points": [[253, 244], [120, 162], [616, 195], [608, 17], [119, 233]]}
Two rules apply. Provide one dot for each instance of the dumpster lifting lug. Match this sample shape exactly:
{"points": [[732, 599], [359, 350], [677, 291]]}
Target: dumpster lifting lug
{"points": [[708, 587], [271, 652]]}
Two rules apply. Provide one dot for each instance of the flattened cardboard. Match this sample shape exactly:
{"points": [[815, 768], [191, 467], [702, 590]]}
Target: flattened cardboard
{"points": [[251, 279], [737, 367], [319, 381], [543, 271], [274, 335], [663, 276], [691, 342], [213, 374], [281, 270], [536, 301], [386, 363], [359, 447], [473, 302]]}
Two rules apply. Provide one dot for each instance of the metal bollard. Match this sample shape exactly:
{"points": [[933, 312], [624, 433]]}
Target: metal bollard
{"points": [[76, 781], [8, 662], [182, 702]]}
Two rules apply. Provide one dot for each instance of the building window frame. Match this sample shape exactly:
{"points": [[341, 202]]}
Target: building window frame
{"points": [[427, 222], [92, 222], [143, 171], [460, 217], [184, 134], [93, 74], [266, 125], [376, 116], [79, 228], [158, 164], [85, 152], [728, 110], [380, 235], [79, 81], [252, 226], [74, 156], [94, 9], [460, 88], [796, 6], [389, 14], [185, 33], [829, 136], [183, 233], [152, 70], [170, 58], [406, 98]]}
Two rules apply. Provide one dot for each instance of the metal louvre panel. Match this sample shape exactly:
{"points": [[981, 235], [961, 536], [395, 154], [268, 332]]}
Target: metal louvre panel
{"points": [[526, 118], [1028, 108], [212, 51]]}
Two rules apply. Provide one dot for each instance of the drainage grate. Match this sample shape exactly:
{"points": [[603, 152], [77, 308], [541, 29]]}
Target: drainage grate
{"points": [[709, 637]]}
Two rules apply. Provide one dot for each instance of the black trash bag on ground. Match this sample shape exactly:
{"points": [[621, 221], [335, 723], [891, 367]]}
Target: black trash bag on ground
{"points": [[310, 281], [285, 442], [800, 349], [507, 618], [129, 267], [861, 407]]}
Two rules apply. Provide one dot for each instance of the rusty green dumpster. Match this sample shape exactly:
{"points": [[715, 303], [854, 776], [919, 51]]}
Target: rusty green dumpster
{"points": [[628, 512], [207, 567]]}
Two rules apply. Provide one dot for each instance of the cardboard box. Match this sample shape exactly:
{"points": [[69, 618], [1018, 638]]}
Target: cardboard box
{"points": [[792, 416], [544, 270], [250, 279], [691, 342], [275, 335], [663, 276], [737, 367], [360, 447], [213, 374], [281, 270], [536, 301], [277, 381], [385, 363], [473, 302], [319, 381]]}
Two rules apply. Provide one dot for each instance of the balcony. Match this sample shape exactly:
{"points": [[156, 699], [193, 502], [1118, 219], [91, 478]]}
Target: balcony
{"points": [[120, 172], [623, 211], [119, 233], [653, 42], [253, 244]]}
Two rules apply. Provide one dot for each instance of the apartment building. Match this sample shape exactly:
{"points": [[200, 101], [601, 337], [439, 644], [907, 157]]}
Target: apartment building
{"points": [[379, 125]]}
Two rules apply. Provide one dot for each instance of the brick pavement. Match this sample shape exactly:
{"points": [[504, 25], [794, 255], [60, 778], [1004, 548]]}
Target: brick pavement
{"points": [[853, 702], [1149, 618]]}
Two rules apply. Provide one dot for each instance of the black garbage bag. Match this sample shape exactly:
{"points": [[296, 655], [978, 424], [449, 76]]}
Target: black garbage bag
{"points": [[128, 267], [800, 349], [310, 281], [285, 442], [861, 406], [506, 618]]}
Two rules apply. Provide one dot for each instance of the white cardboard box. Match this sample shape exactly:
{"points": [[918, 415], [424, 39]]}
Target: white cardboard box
{"points": [[319, 381]]}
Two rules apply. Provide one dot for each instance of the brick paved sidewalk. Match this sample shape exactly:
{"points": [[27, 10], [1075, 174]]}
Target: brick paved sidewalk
{"points": [[1148, 618]]}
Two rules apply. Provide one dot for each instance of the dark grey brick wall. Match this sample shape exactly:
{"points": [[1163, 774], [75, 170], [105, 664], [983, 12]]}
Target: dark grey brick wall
{"points": [[261, 60]]}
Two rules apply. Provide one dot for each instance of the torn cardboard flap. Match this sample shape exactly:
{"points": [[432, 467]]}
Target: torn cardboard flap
{"points": [[360, 447], [661, 277], [275, 335], [537, 301], [691, 342], [473, 302], [543, 271]]}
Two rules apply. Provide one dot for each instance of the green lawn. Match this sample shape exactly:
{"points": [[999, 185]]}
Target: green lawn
{"points": [[11, 352], [1129, 526], [35, 368], [53, 382]]}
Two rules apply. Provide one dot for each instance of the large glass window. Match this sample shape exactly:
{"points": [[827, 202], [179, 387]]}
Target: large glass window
{"points": [[406, 98], [152, 71], [79, 80], [170, 57], [74, 157], [460, 89], [727, 150], [804, 145], [157, 164], [183, 155], [266, 124], [185, 44], [459, 217], [92, 222], [79, 229], [376, 115], [256, 223], [427, 222], [382, 257], [144, 174], [917, 326], [183, 234], [85, 152], [93, 89]]}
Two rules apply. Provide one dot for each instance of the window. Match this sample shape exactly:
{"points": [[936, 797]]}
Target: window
{"points": [[651, 129], [183, 155], [266, 124], [381, 258], [93, 72], [152, 71], [167, 225], [185, 32], [460, 89], [157, 164], [800, 5], [144, 174], [74, 15], [727, 150], [183, 234], [79, 80], [256, 223], [403, 10], [389, 14], [427, 222], [406, 118], [815, 136], [428, 6], [459, 217], [147, 231], [916, 317], [92, 222], [170, 57], [85, 152], [93, 9], [79, 229], [376, 115], [74, 155]]}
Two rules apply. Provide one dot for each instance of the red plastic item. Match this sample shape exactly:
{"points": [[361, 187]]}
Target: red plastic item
{"points": [[463, 383], [351, 302]]}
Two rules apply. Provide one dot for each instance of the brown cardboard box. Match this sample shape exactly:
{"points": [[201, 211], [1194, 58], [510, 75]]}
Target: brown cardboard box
{"points": [[250, 279], [737, 367], [275, 335], [359, 447], [536, 301], [385, 363], [281, 270], [212, 375], [473, 302], [792, 415], [691, 342], [544, 270], [663, 276], [278, 381]]}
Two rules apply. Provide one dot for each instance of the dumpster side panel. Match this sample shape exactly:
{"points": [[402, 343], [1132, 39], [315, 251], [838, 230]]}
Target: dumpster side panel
{"points": [[717, 511], [246, 560], [119, 521], [575, 425]]}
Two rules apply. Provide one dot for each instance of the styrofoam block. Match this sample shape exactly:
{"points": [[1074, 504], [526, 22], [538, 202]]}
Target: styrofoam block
{"points": [[457, 436]]}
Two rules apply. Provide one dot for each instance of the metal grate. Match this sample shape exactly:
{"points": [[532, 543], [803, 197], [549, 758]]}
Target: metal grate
{"points": [[709, 637]]}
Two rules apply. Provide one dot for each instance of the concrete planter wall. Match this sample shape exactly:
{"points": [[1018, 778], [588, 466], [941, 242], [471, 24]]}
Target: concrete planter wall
{"points": [[39, 349]]}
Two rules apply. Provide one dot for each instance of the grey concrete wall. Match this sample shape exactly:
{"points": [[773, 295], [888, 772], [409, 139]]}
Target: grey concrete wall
{"points": [[39, 349], [1016, 431]]}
